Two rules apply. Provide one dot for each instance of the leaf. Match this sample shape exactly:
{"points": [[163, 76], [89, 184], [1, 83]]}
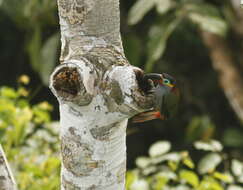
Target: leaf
{"points": [[235, 187], [9, 92], [227, 178], [189, 163], [159, 148], [33, 49], [207, 17], [162, 6], [210, 24], [209, 183], [209, 162], [131, 176], [143, 162], [200, 127], [173, 156], [149, 170], [211, 145], [158, 36], [182, 187], [189, 177], [168, 174], [233, 138], [173, 165], [139, 184], [237, 167], [48, 57], [160, 182], [139, 9]]}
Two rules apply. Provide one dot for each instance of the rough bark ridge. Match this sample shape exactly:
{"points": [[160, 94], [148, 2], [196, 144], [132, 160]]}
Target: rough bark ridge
{"points": [[6, 179], [97, 91]]}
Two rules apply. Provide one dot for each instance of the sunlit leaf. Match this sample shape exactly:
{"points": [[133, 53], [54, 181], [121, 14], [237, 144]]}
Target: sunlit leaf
{"points": [[131, 176], [162, 6], [158, 36], [173, 165], [139, 9], [234, 187], [182, 187], [189, 163], [207, 17], [208, 183], [160, 182], [8, 92], [149, 170], [211, 145], [209, 162], [143, 162], [159, 148], [189, 177], [237, 167], [168, 174], [140, 184], [223, 177], [173, 156]]}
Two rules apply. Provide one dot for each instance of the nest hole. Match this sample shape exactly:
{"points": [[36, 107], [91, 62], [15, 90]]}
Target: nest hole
{"points": [[67, 80]]}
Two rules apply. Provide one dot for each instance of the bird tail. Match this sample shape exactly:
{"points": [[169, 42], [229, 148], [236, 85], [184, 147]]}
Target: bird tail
{"points": [[146, 116]]}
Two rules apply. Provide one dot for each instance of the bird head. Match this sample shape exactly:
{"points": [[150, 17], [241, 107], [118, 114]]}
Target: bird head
{"points": [[166, 96]]}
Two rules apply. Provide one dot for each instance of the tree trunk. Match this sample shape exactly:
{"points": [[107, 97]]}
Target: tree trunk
{"points": [[230, 77], [97, 91], [6, 178]]}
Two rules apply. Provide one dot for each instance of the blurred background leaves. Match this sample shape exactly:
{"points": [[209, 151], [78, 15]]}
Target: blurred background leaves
{"points": [[158, 36]]}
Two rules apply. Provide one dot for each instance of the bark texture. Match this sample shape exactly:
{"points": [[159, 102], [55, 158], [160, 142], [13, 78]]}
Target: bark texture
{"points": [[230, 77], [6, 179], [97, 91]]}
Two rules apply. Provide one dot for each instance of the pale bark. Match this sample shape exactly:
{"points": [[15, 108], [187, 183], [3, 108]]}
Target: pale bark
{"points": [[97, 91], [6, 178], [230, 77], [238, 13]]}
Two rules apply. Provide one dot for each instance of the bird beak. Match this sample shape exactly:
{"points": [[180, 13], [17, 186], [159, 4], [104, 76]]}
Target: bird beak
{"points": [[170, 85]]}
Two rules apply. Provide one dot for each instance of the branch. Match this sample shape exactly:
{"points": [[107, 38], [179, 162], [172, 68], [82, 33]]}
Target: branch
{"points": [[6, 178], [230, 77]]}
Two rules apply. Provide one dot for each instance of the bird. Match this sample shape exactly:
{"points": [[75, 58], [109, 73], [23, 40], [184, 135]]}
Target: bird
{"points": [[166, 97]]}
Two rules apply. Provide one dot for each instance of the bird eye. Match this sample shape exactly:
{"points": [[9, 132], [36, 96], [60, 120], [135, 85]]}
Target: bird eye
{"points": [[166, 81]]}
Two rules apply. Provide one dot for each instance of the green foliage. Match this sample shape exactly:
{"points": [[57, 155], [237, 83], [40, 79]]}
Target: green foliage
{"points": [[29, 139], [171, 13], [33, 17], [158, 36], [164, 170], [200, 127]]}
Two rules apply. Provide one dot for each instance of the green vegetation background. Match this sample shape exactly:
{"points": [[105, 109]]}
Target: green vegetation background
{"points": [[158, 36]]}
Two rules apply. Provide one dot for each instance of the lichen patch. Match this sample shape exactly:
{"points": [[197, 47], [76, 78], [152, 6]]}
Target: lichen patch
{"points": [[104, 133], [75, 11], [116, 92], [76, 155]]}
